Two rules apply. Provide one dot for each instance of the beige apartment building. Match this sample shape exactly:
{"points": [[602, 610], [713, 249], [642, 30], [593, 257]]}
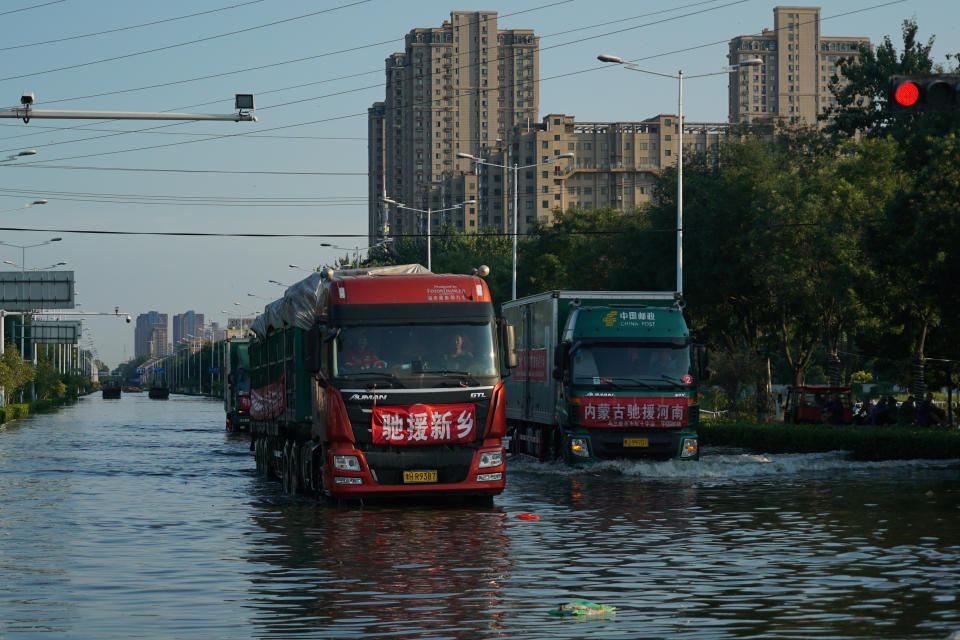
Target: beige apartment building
{"points": [[455, 88], [615, 164], [793, 82]]}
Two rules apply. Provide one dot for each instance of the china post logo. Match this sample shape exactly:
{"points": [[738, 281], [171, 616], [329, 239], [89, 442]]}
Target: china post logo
{"points": [[610, 319]]}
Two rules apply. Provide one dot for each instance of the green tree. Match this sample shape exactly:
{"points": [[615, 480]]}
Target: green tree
{"points": [[15, 373], [910, 248], [47, 381]]}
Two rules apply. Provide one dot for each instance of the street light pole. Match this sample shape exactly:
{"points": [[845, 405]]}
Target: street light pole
{"points": [[516, 215], [429, 213], [516, 190], [679, 79]]}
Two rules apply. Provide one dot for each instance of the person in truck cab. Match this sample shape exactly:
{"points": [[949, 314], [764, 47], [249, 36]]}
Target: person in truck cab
{"points": [[458, 353], [359, 355]]}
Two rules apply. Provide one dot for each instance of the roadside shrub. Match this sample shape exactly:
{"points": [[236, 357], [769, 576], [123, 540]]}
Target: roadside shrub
{"points": [[895, 442], [42, 406]]}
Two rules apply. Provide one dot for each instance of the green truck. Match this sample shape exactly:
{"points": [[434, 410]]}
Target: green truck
{"points": [[603, 375], [236, 392]]}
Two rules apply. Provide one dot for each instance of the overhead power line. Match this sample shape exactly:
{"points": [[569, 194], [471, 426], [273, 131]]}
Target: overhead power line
{"points": [[786, 226], [184, 44], [428, 103], [422, 104], [118, 29], [36, 6], [293, 61], [226, 172]]}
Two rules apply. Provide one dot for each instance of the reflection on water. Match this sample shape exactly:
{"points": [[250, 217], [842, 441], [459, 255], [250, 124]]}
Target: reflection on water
{"points": [[140, 518]]}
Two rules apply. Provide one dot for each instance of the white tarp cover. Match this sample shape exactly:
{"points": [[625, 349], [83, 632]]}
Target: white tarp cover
{"points": [[302, 303]]}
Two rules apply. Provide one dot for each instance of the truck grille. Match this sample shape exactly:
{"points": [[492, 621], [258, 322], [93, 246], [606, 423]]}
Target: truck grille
{"points": [[451, 465], [662, 444]]}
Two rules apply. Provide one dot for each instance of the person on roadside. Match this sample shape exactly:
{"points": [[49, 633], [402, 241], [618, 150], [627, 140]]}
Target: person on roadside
{"points": [[908, 411], [929, 413]]}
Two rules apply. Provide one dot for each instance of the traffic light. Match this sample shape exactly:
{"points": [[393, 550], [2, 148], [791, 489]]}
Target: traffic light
{"points": [[925, 92]]}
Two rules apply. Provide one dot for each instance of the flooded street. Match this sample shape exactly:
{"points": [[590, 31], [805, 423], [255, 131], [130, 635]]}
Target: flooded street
{"points": [[136, 518]]}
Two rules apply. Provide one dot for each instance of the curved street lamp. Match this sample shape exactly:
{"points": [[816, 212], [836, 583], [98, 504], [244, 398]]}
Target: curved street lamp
{"points": [[26, 206], [427, 211], [516, 189], [679, 78]]}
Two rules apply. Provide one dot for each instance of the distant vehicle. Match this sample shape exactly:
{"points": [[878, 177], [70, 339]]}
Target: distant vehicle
{"points": [[111, 389], [819, 404], [236, 395]]}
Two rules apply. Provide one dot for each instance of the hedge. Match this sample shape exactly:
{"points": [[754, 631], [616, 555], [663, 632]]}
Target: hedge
{"points": [[893, 442]]}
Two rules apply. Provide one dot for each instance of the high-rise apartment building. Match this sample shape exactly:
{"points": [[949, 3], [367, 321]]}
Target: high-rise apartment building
{"points": [[615, 164], [793, 82], [150, 335], [457, 88], [187, 326]]}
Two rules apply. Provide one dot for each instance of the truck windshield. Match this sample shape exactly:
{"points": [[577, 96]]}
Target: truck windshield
{"points": [[460, 353], [643, 365]]}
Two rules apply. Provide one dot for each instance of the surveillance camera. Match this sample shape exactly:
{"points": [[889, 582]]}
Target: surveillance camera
{"points": [[128, 319], [27, 98]]}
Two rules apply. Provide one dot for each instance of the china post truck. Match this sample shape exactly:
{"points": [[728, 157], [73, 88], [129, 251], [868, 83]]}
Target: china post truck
{"points": [[602, 375]]}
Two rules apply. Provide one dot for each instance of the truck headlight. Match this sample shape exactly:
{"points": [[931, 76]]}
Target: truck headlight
{"points": [[491, 459], [346, 463], [580, 447], [689, 448]]}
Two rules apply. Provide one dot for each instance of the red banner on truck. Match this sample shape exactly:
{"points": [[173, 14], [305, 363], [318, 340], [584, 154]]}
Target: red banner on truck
{"points": [[620, 411], [424, 424], [531, 365], [269, 401]]}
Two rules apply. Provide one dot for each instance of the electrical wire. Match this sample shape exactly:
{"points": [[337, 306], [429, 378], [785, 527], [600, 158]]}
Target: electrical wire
{"points": [[547, 231], [36, 6], [423, 104], [118, 29], [183, 44]]}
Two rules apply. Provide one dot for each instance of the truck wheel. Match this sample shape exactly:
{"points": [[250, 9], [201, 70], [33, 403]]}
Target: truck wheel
{"points": [[258, 455], [306, 467], [285, 468], [294, 468]]}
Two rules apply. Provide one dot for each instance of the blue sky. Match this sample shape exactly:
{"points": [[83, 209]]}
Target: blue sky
{"points": [[315, 68]]}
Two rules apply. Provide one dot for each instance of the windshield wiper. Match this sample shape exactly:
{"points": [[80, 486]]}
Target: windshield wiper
{"points": [[662, 378], [380, 374], [463, 375], [603, 382]]}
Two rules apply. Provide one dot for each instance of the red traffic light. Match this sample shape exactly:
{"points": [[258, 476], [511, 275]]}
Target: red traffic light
{"points": [[906, 94], [924, 92]]}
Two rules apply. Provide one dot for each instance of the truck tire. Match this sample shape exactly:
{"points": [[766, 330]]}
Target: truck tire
{"points": [[258, 455]]}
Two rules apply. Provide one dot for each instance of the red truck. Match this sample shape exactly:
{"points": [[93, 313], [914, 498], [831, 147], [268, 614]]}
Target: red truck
{"points": [[819, 404], [381, 382]]}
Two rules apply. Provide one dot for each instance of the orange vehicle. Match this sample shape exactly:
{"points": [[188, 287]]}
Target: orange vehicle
{"points": [[819, 404]]}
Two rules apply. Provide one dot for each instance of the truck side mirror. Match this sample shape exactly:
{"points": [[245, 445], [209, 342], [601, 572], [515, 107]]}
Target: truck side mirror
{"points": [[703, 373], [561, 360], [311, 363], [509, 336]]}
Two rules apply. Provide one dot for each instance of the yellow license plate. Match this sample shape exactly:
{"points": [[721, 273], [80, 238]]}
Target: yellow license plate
{"points": [[420, 476], [636, 442]]}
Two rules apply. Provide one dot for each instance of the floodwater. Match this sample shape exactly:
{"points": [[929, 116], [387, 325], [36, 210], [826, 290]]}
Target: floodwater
{"points": [[138, 518]]}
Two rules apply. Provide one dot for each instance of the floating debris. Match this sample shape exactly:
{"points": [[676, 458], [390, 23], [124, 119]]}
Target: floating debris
{"points": [[583, 609]]}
